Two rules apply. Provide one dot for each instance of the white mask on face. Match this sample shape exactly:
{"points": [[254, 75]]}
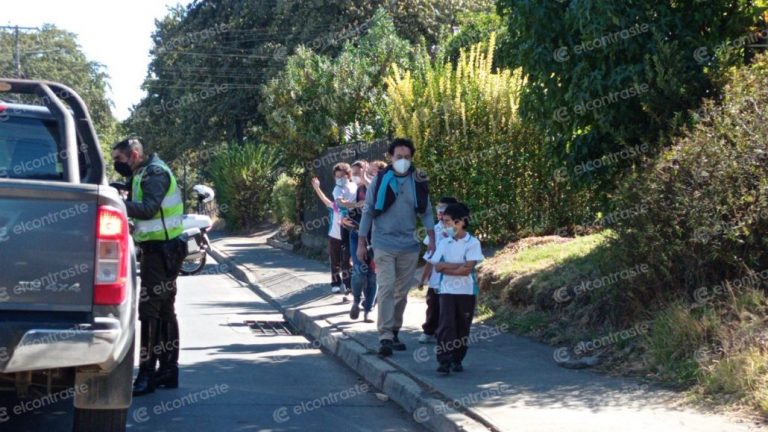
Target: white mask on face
{"points": [[357, 180], [341, 182], [402, 165]]}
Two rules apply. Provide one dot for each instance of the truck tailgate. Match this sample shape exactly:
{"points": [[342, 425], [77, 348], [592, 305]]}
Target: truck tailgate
{"points": [[47, 245]]}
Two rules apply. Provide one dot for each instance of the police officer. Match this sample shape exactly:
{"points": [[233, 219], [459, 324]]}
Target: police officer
{"points": [[155, 205]]}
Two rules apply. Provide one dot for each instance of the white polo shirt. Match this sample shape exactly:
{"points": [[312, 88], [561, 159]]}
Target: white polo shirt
{"points": [[434, 278], [348, 193], [459, 251]]}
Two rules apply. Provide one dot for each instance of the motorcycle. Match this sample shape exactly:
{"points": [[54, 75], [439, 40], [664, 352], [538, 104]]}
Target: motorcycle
{"points": [[196, 228]]}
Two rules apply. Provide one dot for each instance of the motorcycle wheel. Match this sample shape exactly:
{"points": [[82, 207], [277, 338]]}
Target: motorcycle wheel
{"points": [[193, 266]]}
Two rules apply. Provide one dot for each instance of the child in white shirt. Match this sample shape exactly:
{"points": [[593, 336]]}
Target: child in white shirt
{"points": [[455, 259], [433, 302]]}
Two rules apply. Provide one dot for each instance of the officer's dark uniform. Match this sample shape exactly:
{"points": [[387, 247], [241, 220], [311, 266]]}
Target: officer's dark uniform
{"points": [[160, 264]]}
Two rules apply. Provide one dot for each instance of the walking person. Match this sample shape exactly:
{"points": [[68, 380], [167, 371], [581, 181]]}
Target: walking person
{"points": [[363, 272], [337, 251], [455, 260], [373, 170], [344, 191], [432, 278], [396, 199], [155, 204]]}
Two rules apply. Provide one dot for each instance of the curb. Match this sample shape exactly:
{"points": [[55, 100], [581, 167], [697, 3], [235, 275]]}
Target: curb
{"points": [[430, 408]]}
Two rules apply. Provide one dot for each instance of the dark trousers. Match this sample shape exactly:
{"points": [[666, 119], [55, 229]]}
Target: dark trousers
{"points": [[157, 312], [456, 314], [433, 313], [363, 276], [340, 264]]}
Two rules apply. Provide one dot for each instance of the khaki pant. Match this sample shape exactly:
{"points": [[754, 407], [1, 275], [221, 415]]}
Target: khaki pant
{"points": [[394, 272]]}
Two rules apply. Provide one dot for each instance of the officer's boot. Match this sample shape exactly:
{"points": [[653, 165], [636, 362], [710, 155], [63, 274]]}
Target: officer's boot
{"points": [[145, 381], [168, 373]]}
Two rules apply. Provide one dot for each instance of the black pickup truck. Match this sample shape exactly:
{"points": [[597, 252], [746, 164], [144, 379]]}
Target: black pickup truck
{"points": [[68, 291]]}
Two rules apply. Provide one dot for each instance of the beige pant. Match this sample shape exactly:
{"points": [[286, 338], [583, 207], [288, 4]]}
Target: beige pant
{"points": [[394, 273]]}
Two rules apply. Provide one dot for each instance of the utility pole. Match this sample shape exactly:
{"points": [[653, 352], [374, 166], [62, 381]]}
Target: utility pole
{"points": [[17, 44], [18, 53]]}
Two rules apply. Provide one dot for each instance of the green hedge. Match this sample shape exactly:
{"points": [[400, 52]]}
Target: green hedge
{"points": [[243, 176], [706, 199], [285, 199]]}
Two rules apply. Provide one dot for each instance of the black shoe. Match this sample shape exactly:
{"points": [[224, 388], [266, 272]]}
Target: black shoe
{"points": [[457, 367], [397, 345], [366, 319], [167, 378], [167, 375], [354, 313], [385, 350], [144, 384], [145, 381], [444, 369]]}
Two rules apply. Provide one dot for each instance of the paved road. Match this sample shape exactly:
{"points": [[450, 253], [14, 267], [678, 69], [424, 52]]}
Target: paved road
{"points": [[235, 380]]}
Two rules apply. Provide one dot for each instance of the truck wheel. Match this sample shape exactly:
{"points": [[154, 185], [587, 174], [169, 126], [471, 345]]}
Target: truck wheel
{"points": [[104, 390], [96, 420]]}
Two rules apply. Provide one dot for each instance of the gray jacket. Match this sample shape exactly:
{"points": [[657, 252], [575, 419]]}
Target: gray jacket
{"points": [[396, 229]]}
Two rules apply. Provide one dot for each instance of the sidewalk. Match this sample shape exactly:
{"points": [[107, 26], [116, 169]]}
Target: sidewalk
{"points": [[510, 382]]}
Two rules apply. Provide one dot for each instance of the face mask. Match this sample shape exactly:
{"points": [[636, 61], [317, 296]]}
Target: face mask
{"points": [[357, 180], [341, 182], [402, 165], [451, 231], [123, 169]]}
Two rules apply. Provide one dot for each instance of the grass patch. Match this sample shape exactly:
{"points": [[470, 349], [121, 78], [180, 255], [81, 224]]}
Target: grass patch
{"points": [[548, 255], [717, 350]]}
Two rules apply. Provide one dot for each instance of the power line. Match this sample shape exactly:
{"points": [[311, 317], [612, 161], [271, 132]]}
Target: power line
{"points": [[219, 55], [17, 44]]}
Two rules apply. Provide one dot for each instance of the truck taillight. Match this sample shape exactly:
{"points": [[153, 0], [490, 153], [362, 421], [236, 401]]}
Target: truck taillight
{"points": [[111, 257]]}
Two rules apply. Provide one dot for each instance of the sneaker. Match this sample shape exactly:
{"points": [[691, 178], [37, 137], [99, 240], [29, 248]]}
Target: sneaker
{"points": [[354, 313], [444, 369], [457, 367], [335, 289], [397, 345], [385, 350], [426, 339]]}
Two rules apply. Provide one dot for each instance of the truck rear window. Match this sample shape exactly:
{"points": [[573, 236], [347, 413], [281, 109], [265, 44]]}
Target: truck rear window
{"points": [[29, 149]]}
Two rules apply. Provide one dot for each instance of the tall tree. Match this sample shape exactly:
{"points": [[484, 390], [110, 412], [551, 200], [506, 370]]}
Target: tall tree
{"points": [[318, 101], [54, 54], [604, 75], [211, 58]]}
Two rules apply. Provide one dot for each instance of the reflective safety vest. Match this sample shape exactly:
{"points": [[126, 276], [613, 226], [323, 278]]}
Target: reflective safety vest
{"points": [[166, 224]]}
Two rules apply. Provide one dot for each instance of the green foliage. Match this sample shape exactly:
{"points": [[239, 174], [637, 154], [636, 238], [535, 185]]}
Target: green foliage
{"points": [[243, 176], [473, 145], [718, 346], [706, 201], [577, 52], [54, 55], [317, 102], [474, 28], [285, 199], [676, 336], [211, 58], [426, 22]]}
